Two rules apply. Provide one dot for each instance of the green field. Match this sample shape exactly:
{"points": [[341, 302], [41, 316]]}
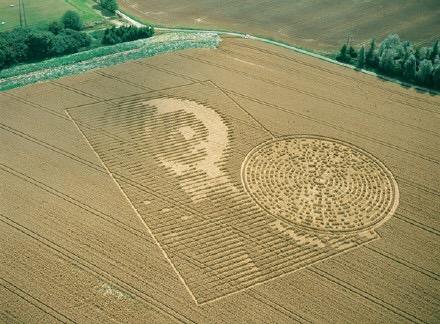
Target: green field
{"points": [[41, 12]]}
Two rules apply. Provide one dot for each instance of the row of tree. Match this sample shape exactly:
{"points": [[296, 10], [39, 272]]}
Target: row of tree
{"points": [[125, 34], [397, 58], [28, 44]]}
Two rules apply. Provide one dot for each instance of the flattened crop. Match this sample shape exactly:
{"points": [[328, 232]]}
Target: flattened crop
{"points": [[230, 204]]}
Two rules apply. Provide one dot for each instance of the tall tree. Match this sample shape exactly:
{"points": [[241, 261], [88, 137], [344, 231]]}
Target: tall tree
{"points": [[14, 45], [39, 44], [371, 58], [71, 20], [352, 52], [343, 55], [436, 76], [421, 53], [408, 49], [361, 58], [409, 68], [393, 42], [2, 57], [55, 27], [424, 72], [387, 61], [435, 50]]}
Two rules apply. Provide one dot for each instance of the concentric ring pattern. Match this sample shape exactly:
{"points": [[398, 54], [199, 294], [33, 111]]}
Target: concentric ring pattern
{"points": [[320, 184]]}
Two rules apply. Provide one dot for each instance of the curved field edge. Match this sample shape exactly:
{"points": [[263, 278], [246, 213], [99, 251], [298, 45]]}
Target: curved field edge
{"points": [[324, 56], [104, 56]]}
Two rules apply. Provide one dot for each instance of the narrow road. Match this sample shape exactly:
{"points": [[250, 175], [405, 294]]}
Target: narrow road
{"points": [[275, 43], [236, 34]]}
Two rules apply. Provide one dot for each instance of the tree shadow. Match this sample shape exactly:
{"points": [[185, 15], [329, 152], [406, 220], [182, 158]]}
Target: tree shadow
{"points": [[407, 86]]}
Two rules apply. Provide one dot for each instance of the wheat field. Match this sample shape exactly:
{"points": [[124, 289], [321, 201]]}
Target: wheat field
{"points": [[240, 184]]}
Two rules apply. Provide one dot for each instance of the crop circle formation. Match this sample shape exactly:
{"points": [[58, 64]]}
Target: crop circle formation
{"points": [[320, 184]]}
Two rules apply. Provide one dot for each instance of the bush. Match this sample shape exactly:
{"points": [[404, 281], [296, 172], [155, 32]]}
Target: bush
{"points": [[24, 44], [71, 20], [39, 45], [14, 46], [69, 41], [56, 27]]}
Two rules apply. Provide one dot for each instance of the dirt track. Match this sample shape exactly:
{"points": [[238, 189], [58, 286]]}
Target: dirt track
{"points": [[75, 250]]}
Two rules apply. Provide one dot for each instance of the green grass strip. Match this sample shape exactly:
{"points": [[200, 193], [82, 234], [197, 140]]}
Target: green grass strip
{"points": [[103, 56]]}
